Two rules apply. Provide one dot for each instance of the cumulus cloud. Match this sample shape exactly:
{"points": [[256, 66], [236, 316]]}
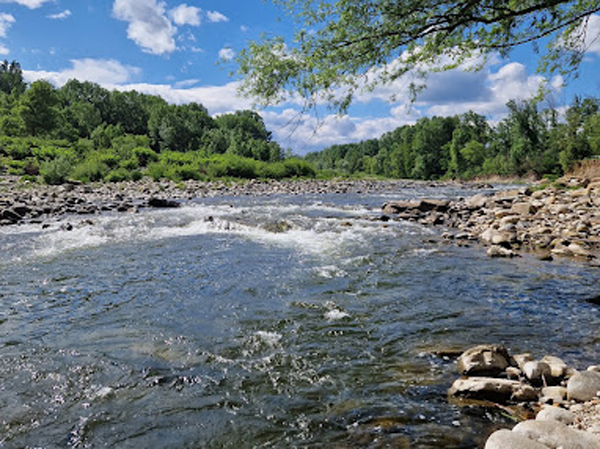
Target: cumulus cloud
{"points": [[185, 15], [227, 54], [215, 17], [149, 26], [106, 72], [31, 4], [6, 20], [592, 35], [3, 50], [61, 15]]}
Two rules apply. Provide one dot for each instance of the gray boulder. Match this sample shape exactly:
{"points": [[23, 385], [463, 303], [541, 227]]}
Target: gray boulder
{"points": [[556, 414], [558, 368], [484, 360], [584, 385], [505, 439], [537, 372], [557, 435]]}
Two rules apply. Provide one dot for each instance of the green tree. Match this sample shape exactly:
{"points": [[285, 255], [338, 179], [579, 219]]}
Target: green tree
{"points": [[343, 46], [38, 108], [11, 78]]}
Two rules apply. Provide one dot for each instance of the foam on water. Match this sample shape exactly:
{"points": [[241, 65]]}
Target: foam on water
{"points": [[310, 235]]}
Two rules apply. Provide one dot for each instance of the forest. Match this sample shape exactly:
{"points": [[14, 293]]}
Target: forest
{"points": [[530, 141], [86, 133]]}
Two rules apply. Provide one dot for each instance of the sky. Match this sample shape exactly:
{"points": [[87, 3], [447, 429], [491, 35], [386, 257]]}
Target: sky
{"points": [[184, 52]]}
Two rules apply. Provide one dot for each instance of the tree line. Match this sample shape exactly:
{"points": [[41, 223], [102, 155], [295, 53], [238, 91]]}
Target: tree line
{"points": [[86, 132], [529, 141]]}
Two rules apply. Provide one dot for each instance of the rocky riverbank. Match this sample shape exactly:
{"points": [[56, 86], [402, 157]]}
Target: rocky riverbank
{"points": [[550, 222], [32, 203], [564, 402]]}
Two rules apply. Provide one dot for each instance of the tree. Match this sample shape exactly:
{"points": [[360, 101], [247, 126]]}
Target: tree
{"points": [[11, 78], [344, 46], [38, 108]]}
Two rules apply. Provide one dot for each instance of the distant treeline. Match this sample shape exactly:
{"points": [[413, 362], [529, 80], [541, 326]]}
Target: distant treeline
{"points": [[528, 141], [85, 132]]}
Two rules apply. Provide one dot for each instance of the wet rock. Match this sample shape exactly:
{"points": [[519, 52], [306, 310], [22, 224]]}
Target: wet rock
{"points": [[584, 385], [505, 439], [484, 360], [278, 226], [557, 435], [163, 203], [499, 251], [556, 414], [492, 389]]}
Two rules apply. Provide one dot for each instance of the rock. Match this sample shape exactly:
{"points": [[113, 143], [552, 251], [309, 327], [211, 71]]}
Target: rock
{"points": [[556, 414], [163, 203], [477, 201], [521, 359], [595, 368], [584, 385], [537, 372], [492, 389], [523, 208], [558, 367], [499, 251], [557, 435], [484, 360], [513, 372], [505, 439], [553, 395], [279, 226]]}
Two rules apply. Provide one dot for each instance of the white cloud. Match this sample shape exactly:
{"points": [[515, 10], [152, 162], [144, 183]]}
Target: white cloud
{"points": [[244, 28], [31, 4], [6, 20], [148, 25], [106, 72], [592, 35], [215, 17], [3, 50], [226, 54], [185, 15], [61, 15]]}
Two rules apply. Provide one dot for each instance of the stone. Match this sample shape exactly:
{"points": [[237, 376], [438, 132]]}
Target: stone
{"points": [[492, 389], [557, 435], [505, 439], [523, 208], [521, 359], [537, 372], [512, 372], [499, 251], [484, 360], [558, 367], [583, 386], [595, 368], [556, 414], [163, 203], [553, 395]]}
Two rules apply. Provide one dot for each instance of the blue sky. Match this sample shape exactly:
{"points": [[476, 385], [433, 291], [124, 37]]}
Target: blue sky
{"points": [[171, 48]]}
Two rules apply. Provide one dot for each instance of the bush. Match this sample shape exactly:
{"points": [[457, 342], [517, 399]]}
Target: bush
{"points": [[118, 175], [91, 170], [144, 156], [56, 171]]}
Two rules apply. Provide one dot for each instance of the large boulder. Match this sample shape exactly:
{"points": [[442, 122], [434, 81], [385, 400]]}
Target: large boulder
{"points": [[556, 414], [584, 385], [492, 389], [557, 435], [505, 439], [484, 360]]}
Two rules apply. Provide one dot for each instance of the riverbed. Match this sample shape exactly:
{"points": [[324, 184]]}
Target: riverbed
{"points": [[266, 321]]}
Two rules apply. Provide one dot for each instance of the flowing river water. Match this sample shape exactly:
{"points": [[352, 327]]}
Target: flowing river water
{"points": [[201, 327]]}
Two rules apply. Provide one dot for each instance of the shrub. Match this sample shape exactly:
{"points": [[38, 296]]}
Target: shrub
{"points": [[56, 171], [91, 170], [144, 156], [118, 175]]}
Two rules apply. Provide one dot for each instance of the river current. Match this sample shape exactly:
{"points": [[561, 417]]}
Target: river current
{"points": [[276, 321]]}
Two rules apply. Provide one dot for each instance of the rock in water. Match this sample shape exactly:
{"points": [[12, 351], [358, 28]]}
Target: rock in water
{"points": [[492, 389], [484, 360], [163, 203]]}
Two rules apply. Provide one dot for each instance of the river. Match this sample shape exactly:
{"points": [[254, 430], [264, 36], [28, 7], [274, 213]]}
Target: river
{"points": [[201, 327]]}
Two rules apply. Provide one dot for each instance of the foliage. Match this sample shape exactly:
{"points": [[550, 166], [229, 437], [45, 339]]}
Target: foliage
{"points": [[342, 47], [527, 141], [56, 171]]}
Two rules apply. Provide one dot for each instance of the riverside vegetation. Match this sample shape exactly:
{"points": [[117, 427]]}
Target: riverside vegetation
{"points": [[86, 133]]}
